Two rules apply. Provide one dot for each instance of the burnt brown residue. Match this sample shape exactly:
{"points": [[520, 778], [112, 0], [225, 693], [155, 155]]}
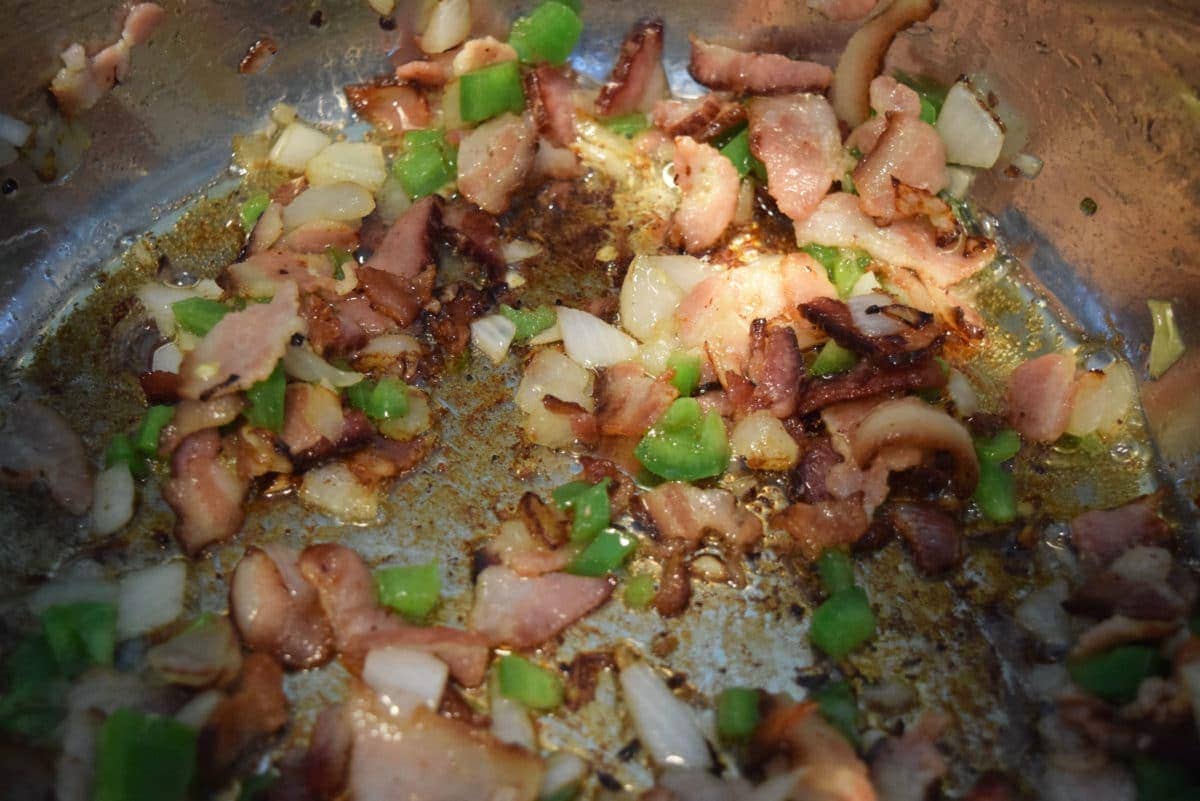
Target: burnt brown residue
{"points": [[258, 56], [583, 674]]}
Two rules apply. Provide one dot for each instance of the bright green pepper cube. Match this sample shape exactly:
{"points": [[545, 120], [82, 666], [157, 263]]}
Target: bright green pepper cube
{"points": [[996, 493], [252, 208], [145, 439], [490, 91], [737, 713], [532, 685], [265, 399], [836, 570], [141, 757], [81, 634], [843, 623], [837, 705], [607, 552], [1116, 674], [687, 373], [550, 33], [412, 590], [639, 591], [424, 165], [627, 125], [529, 322], [32, 705], [832, 359], [685, 444], [589, 507], [1000, 448], [198, 315], [121, 450]]}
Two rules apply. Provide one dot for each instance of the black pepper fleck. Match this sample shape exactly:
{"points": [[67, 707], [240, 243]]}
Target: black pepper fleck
{"points": [[609, 782], [629, 750], [10, 186], [317, 19], [387, 23], [1088, 206]]}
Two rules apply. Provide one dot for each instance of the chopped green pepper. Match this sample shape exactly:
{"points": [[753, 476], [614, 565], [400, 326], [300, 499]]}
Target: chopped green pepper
{"points": [[529, 322], [255, 785], [339, 257], [843, 623], [589, 507], [639, 590], [627, 125], [1116, 674], [198, 315], [492, 90], [33, 704], [565, 793], [685, 444], [836, 570], [145, 439], [996, 491], [1159, 780], [737, 150], [932, 93], [252, 208], [837, 705], [141, 757], [1166, 346], [999, 448], [412, 590], [604, 554], [737, 713], [550, 33], [832, 359], [80, 635], [121, 450], [382, 400], [266, 400], [425, 164], [532, 685], [687, 372], [844, 265]]}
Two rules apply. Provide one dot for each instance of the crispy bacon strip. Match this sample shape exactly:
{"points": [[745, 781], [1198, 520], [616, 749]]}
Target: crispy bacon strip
{"points": [[205, 493], [637, 80], [277, 611], [390, 108], [524, 612], [719, 67], [549, 93], [702, 119], [797, 138]]}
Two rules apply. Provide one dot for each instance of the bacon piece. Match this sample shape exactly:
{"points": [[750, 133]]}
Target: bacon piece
{"points": [[637, 80], [630, 399], [475, 234], [839, 221], [83, 80], [401, 299], [392, 109], [258, 56], [277, 611], [841, 10], [992, 786], [407, 249], [702, 119], [37, 444], [550, 103], [674, 582], [254, 709], [430, 73], [494, 159], [806, 482], [796, 137], [824, 524], [932, 535], [716, 315], [1101, 535], [1142, 583], [583, 423], [312, 414], [831, 769], [205, 493], [1121, 630], [347, 593], [476, 54], [387, 458], [891, 333], [906, 768], [719, 67], [776, 367], [520, 612], [708, 184], [451, 326], [910, 152], [888, 97], [1039, 396], [264, 273], [243, 348], [362, 752], [160, 386], [867, 380], [530, 544], [683, 512], [192, 416], [258, 453], [318, 236]]}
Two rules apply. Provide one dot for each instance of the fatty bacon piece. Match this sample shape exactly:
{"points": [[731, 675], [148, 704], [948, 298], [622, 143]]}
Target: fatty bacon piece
{"points": [[1102, 535], [85, 79], [523, 612], [38, 445], [909, 152], [243, 348], [683, 512], [637, 80], [550, 103], [830, 770], [1039, 396], [347, 594], [630, 399], [475, 234], [843, 9], [708, 183], [702, 119], [253, 709], [277, 611], [494, 159], [192, 416], [796, 137], [205, 493], [889, 97], [719, 67], [390, 108], [907, 767], [264, 273], [361, 751]]}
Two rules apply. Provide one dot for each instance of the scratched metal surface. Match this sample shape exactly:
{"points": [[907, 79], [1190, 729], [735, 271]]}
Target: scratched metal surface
{"points": [[162, 141]]}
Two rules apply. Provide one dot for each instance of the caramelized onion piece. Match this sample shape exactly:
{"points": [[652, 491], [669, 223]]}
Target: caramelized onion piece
{"points": [[913, 423]]}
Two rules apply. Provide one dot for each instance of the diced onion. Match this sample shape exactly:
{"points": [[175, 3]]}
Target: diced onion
{"points": [[510, 721], [14, 131], [334, 489], [592, 342], [972, 135], [962, 393], [959, 180], [1042, 615], [167, 358], [448, 26], [1102, 399], [300, 362], [549, 372], [1166, 346], [563, 770], [151, 598], [519, 250], [391, 200], [873, 323], [514, 279], [493, 335], [340, 202], [382, 7], [664, 723], [685, 271], [283, 114], [654, 355], [551, 334], [196, 712], [1028, 164], [764, 443], [296, 145], [544, 427], [865, 285], [158, 299], [200, 656], [72, 590], [113, 496], [357, 162], [404, 676], [649, 299], [415, 422]]}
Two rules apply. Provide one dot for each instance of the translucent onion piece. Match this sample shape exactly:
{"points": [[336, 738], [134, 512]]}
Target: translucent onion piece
{"points": [[112, 499], [151, 598]]}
